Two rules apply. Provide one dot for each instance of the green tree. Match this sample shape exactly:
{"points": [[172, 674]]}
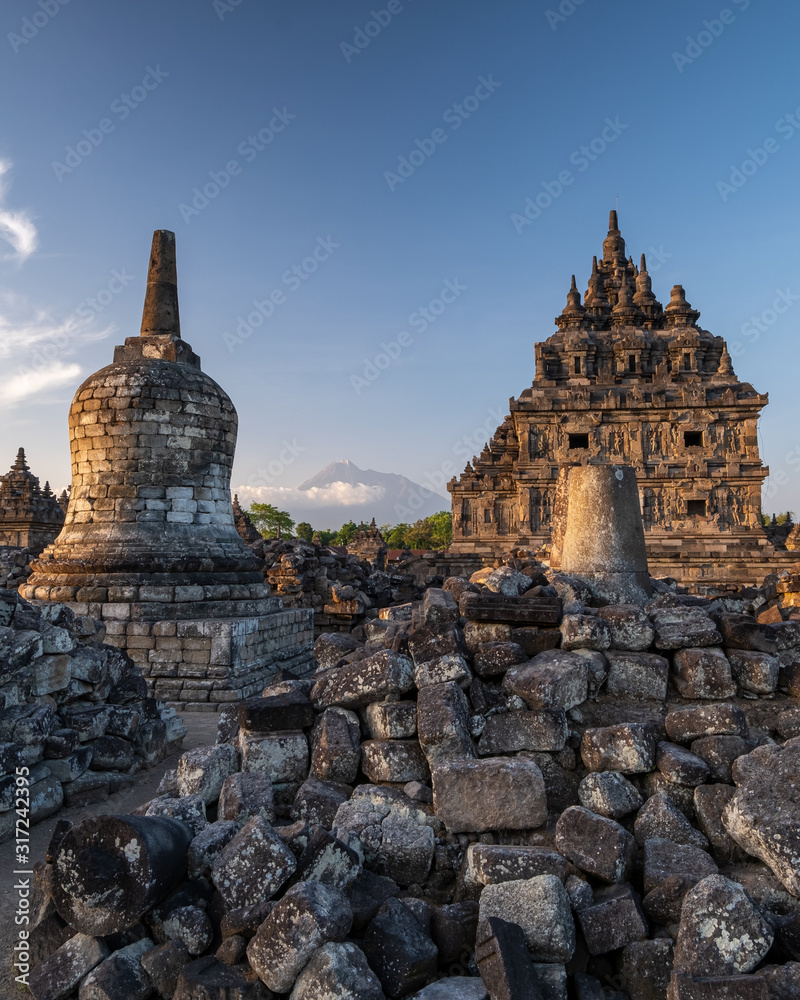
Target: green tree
{"points": [[304, 530], [441, 525], [395, 537], [271, 522], [346, 533]]}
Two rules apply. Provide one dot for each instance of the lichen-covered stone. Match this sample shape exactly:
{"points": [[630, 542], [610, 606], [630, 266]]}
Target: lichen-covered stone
{"points": [[540, 906], [253, 865], [307, 917], [493, 794]]}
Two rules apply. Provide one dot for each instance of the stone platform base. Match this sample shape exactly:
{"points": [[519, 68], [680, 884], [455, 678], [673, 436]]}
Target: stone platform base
{"points": [[201, 664]]}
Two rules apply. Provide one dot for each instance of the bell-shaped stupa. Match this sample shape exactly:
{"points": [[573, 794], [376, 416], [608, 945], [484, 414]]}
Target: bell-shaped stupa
{"points": [[149, 534]]}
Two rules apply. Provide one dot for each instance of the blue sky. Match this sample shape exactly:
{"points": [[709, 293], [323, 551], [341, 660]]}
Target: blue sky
{"points": [[298, 119]]}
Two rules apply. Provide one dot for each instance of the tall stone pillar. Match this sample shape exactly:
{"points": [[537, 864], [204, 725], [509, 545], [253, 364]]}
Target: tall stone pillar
{"points": [[149, 544]]}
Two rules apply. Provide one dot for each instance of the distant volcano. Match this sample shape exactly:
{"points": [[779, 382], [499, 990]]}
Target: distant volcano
{"points": [[342, 492]]}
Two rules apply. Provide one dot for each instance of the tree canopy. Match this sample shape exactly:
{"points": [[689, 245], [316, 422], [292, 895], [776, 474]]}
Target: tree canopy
{"points": [[271, 522]]}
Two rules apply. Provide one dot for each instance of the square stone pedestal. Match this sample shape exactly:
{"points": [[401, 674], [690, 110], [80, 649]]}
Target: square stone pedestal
{"points": [[202, 663]]}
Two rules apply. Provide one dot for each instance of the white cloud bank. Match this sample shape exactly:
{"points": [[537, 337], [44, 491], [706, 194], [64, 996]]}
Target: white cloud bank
{"points": [[16, 228], [337, 494]]}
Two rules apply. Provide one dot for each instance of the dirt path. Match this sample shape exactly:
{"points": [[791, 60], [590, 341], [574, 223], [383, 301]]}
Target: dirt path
{"points": [[202, 729]]}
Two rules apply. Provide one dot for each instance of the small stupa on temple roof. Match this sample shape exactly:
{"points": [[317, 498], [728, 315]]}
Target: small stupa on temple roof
{"points": [[30, 516]]}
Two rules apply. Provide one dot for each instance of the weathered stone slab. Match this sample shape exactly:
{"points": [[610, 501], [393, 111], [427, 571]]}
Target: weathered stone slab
{"points": [[493, 794]]}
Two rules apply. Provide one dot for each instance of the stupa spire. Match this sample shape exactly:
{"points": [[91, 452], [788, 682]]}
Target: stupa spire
{"points": [[160, 314]]}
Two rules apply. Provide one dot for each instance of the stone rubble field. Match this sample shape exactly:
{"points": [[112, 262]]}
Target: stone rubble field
{"points": [[504, 792], [74, 712]]}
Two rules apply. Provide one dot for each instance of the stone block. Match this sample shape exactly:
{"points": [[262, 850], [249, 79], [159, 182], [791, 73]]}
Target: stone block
{"points": [[203, 771], [373, 678], [553, 679], [609, 793], [754, 672], [596, 844], [681, 765], [335, 746], [703, 673], [340, 970], [629, 627], [721, 932], [629, 747], [503, 960], [687, 724], [584, 632], [392, 720], [244, 796], [283, 757], [524, 730], [493, 794], [636, 676], [540, 907], [253, 865], [397, 761], [614, 920], [398, 950], [443, 723]]}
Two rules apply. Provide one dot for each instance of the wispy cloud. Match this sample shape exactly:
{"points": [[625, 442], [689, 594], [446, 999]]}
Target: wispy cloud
{"points": [[16, 228], [334, 495], [18, 387], [35, 349]]}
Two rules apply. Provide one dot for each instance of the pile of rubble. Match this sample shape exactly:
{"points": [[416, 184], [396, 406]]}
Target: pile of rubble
{"points": [[503, 792], [15, 566], [340, 589], [75, 719]]}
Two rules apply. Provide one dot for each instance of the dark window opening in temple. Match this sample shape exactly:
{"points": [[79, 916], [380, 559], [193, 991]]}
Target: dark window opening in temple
{"points": [[696, 508], [693, 439], [631, 362], [487, 517], [687, 362], [577, 366], [579, 441]]}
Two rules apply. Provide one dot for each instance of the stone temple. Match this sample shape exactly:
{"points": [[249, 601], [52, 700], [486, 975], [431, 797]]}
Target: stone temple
{"points": [[30, 515], [627, 381], [149, 544]]}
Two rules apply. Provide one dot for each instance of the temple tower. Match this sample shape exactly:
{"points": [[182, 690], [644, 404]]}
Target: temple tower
{"points": [[30, 516], [149, 543], [627, 381]]}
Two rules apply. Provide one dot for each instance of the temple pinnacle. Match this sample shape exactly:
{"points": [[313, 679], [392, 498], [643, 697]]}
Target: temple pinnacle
{"points": [[160, 314]]}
